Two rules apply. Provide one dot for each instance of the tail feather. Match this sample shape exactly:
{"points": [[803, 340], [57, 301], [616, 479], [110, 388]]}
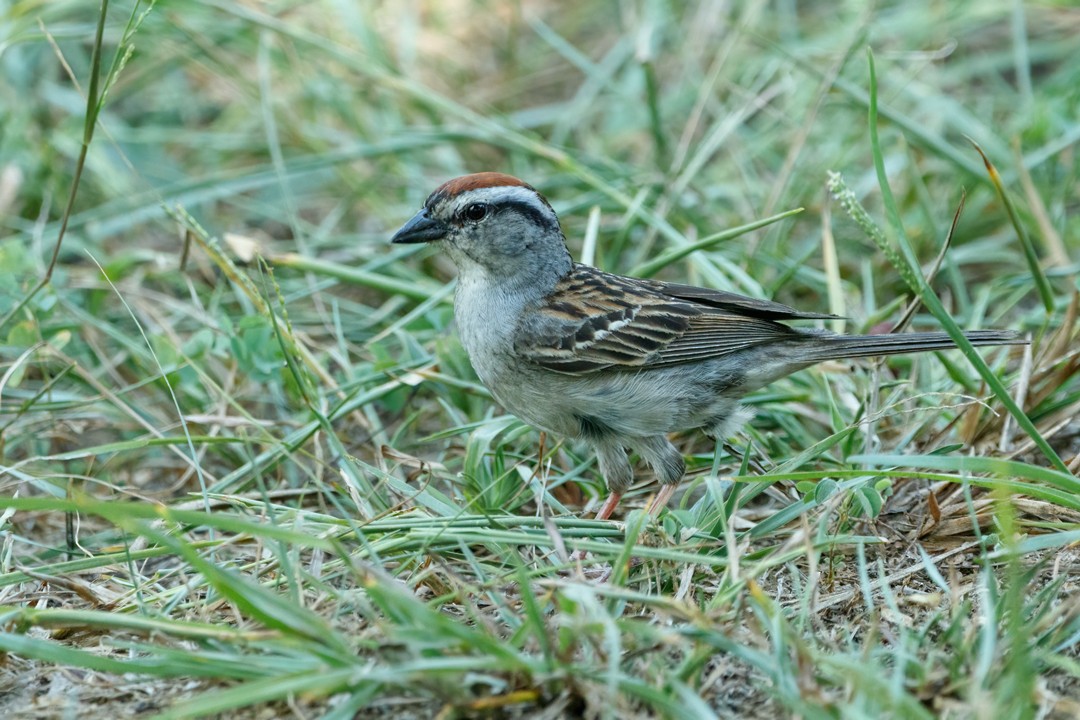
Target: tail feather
{"points": [[836, 347]]}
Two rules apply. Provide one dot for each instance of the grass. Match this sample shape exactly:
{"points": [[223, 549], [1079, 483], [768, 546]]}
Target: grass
{"points": [[246, 469]]}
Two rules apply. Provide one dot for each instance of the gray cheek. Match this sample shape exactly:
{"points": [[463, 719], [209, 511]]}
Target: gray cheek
{"points": [[513, 246], [465, 253]]}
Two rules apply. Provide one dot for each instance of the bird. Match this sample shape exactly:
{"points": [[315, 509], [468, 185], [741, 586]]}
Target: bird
{"points": [[618, 363]]}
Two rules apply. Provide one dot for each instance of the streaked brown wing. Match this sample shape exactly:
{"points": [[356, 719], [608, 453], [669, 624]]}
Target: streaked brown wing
{"points": [[765, 309], [594, 321]]}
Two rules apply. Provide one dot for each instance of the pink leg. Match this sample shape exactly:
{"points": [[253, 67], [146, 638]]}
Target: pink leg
{"points": [[605, 512], [609, 506], [662, 498]]}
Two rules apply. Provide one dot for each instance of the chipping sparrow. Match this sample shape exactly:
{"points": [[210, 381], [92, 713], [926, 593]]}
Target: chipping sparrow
{"points": [[613, 361]]}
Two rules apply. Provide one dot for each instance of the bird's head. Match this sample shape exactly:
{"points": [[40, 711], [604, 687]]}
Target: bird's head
{"points": [[493, 225]]}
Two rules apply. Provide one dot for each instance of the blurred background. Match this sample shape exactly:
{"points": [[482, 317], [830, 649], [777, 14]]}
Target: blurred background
{"points": [[315, 129]]}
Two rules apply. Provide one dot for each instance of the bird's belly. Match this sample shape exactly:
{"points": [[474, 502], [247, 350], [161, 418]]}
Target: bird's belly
{"points": [[631, 404]]}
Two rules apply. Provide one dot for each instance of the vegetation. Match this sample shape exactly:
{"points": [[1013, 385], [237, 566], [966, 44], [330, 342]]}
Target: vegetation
{"points": [[247, 471]]}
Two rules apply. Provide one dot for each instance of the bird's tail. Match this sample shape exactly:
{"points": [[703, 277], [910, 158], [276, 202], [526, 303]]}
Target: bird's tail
{"points": [[836, 347]]}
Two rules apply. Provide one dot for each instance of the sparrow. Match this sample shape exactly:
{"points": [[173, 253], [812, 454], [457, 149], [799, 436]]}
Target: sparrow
{"points": [[615, 362]]}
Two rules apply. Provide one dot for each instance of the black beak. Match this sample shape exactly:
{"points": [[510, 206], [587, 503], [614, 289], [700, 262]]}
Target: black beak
{"points": [[420, 229]]}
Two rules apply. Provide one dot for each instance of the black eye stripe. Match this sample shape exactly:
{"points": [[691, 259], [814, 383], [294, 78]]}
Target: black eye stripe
{"points": [[545, 219], [530, 211]]}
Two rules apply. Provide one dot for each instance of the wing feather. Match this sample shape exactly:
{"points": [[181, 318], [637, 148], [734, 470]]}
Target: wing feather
{"points": [[594, 320], [765, 309]]}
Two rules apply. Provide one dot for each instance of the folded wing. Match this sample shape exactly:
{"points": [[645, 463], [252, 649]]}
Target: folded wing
{"points": [[596, 321]]}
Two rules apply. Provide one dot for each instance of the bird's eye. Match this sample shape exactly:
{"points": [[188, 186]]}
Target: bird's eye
{"points": [[476, 212]]}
